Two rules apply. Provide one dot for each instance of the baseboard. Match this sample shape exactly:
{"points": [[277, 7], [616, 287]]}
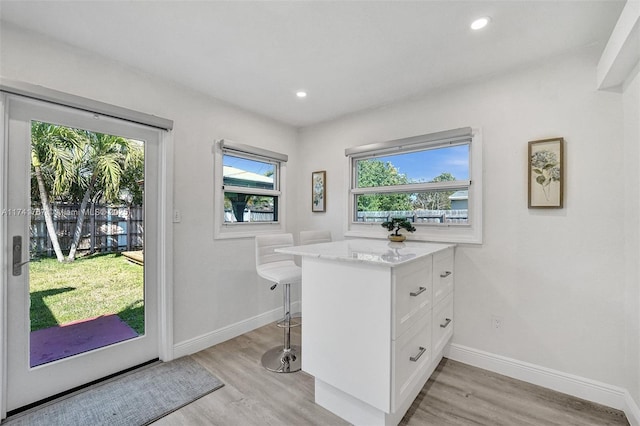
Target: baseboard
{"points": [[204, 341], [580, 387], [632, 410]]}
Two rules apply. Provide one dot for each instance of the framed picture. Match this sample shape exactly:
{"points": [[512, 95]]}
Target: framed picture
{"points": [[546, 173], [319, 191]]}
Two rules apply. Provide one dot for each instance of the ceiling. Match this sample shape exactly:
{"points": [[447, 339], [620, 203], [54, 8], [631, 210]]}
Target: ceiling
{"points": [[348, 55]]}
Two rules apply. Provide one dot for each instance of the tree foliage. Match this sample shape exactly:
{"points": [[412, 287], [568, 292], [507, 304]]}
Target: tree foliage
{"points": [[52, 162], [52, 152], [76, 166], [372, 173], [435, 200]]}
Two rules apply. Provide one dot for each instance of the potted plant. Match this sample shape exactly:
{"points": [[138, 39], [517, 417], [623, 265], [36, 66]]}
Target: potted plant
{"points": [[395, 224]]}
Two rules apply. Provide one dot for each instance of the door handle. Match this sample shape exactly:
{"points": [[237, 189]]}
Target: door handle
{"points": [[17, 256]]}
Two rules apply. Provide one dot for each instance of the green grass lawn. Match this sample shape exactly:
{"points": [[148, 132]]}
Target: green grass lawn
{"points": [[86, 288]]}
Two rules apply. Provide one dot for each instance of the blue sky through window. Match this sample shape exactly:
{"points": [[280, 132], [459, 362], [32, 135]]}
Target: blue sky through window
{"points": [[253, 166], [424, 166]]}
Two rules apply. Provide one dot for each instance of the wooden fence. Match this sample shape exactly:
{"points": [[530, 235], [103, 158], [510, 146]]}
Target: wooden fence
{"points": [[105, 229], [250, 216], [416, 216]]}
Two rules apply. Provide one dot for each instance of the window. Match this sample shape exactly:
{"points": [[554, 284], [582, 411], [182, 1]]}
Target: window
{"points": [[250, 189], [250, 195], [433, 180]]}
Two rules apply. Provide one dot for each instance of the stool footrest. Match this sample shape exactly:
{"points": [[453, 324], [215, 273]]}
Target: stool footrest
{"points": [[295, 321], [283, 324]]}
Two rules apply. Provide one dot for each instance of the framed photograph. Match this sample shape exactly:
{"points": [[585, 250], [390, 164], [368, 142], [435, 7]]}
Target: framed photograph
{"points": [[546, 173], [319, 191]]}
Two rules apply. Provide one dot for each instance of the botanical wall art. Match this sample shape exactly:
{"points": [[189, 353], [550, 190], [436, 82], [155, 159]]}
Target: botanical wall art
{"points": [[546, 173], [318, 191]]}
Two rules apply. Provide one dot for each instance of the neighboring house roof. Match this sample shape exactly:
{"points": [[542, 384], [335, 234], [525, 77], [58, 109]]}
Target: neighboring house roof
{"points": [[459, 195], [239, 177]]}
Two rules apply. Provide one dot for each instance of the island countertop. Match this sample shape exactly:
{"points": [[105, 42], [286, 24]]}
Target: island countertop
{"points": [[370, 251]]}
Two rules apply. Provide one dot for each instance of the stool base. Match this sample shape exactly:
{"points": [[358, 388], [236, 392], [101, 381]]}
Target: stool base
{"points": [[280, 360]]}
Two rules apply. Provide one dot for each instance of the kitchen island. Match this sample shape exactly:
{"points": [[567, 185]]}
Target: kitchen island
{"points": [[376, 319]]}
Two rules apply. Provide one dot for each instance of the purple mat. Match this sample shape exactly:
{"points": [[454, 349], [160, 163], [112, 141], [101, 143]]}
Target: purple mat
{"points": [[50, 344]]}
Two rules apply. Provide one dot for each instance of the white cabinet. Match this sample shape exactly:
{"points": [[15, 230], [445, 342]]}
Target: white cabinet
{"points": [[442, 328], [423, 321], [442, 274], [411, 356], [373, 330], [412, 292]]}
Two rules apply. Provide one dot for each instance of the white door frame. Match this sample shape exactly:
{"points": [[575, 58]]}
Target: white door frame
{"points": [[165, 236]]}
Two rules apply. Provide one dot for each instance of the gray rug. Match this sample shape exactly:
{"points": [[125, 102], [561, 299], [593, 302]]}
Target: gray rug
{"points": [[138, 398]]}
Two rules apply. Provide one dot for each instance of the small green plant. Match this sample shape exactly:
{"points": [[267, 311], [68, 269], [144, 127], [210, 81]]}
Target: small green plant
{"points": [[397, 223]]}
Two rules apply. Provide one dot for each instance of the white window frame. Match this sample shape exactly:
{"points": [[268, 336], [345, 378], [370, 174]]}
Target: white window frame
{"points": [[226, 230], [470, 233]]}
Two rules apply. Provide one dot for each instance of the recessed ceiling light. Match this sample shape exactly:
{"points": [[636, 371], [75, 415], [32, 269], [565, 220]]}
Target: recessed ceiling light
{"points": [[480, 23], [301, 94]]}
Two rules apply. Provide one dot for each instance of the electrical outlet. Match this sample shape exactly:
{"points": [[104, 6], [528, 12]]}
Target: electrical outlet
{"points": [[177, 216], [496, 322]]}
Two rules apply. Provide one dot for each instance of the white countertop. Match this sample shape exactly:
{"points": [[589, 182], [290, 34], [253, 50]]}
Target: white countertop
{"points": [[378, 252]]}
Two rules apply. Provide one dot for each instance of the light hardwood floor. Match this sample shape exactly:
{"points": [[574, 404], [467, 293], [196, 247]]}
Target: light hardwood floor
{"points": [[456, 394]]}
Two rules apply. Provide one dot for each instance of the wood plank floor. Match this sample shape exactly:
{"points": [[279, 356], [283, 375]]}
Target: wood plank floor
{"points": [[457, 394]]}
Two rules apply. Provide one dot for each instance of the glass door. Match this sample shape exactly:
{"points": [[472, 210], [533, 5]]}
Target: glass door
{"points": [[82, 292]]}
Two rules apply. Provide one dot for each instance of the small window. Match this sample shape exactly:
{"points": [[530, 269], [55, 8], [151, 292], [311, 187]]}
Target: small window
{"points": [[432, 180], [251, 191]]}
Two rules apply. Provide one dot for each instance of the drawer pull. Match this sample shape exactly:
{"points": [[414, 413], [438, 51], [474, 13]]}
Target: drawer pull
{"points": [[445, 274], [417, 357], [447, 321], [420, 290]]}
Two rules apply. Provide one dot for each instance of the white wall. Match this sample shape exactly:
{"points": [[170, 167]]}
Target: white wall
{"points": [[555, 276], [215, 281], [631, 100]]}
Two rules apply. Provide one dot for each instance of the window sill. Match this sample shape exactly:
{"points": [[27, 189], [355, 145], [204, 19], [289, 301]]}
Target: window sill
{"points": [[439, 234], [246, 230]]}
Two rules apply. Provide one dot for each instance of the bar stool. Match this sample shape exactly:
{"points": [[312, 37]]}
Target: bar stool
{"points": [[279, 268], [315, 237]]}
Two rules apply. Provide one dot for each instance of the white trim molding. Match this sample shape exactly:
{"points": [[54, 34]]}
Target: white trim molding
{"points": [[621, 55], [580, 387], [3, 257], [632, 410], [165, 243], [223, 334], [42, 93]]}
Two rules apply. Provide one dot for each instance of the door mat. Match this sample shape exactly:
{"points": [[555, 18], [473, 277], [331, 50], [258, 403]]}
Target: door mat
{"points": [[53, 343], [135, 399]]}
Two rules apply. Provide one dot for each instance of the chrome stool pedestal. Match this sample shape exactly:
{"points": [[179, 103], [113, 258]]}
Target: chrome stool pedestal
{"points": [[286, 358]]}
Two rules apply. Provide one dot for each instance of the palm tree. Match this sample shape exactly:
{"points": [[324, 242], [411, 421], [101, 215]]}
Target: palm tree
{"points": [[51, 156], [104, 163]]}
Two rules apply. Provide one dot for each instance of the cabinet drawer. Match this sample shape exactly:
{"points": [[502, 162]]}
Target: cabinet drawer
{"points": [[412, 293], [442, 325], [442, 274], [411, 356]]}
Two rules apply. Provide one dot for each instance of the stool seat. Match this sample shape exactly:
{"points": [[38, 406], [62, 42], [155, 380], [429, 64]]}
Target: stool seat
{"points": [[285, 271]]}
